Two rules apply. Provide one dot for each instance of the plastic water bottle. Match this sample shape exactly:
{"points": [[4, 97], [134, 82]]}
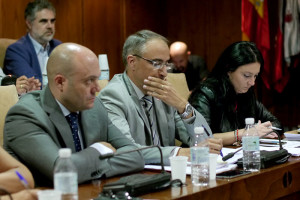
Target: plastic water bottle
{"points": [[251, 153], [200, 159], [65, 176]]}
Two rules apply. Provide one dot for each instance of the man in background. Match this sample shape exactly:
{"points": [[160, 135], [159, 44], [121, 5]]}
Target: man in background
{"points": [[29, 55], [66, 113], [145, 106], [193, 66]]}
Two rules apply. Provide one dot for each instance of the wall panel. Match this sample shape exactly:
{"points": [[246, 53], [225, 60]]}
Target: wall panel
{"points": [[102, 30], [206, 26], [12, 22], [69, 20]]}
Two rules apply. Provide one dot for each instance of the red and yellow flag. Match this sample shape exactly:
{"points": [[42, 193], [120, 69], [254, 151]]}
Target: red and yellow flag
{"points": [[255, 28]]}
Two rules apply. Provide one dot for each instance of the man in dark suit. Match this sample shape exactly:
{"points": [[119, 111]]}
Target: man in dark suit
{"points": [[145, 105], [193, 66], [37, 126], [29, 55]]}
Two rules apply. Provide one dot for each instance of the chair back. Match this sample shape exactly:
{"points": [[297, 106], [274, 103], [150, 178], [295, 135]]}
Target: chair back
{"points": [[4, 43], [102, 84], [8, 97], [178, 81]]}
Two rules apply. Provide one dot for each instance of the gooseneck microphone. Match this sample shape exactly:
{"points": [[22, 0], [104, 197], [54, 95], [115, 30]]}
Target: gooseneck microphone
{"points": [[230, 155], [109, 155]]}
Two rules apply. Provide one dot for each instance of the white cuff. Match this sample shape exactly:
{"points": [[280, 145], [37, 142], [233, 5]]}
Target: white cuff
{"points": [[102, 149]]}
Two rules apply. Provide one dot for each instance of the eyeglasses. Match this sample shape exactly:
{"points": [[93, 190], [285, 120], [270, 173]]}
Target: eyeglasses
{"points": [[157, 64]]}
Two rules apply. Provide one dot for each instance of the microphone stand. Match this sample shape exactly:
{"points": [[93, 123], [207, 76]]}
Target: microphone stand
{"points": [[230, 155]]}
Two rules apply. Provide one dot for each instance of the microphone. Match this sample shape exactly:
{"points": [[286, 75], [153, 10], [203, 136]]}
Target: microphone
{"points": [[230, 155], [136, 184], [109, 155]]}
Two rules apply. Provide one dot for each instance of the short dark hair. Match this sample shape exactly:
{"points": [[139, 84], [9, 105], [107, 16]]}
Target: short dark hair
{"points": [[136, 42], [236, 55], [33, 7]]}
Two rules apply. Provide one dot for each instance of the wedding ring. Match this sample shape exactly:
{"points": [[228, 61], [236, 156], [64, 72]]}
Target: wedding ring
{"points": [[162, 86], [21, 86]]}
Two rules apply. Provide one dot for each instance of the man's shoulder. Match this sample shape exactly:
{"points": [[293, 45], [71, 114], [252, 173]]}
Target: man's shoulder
{"points": [[115, 91], [31, 97], [29, 102], [55, 42], [114, 84], [195, 59], [19, 44]]}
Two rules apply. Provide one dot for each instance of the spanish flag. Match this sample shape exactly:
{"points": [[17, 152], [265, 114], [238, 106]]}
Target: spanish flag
{"points": [[255, 28]]}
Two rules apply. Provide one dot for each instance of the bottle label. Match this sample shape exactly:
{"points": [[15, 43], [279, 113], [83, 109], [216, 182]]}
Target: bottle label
{"points": [[250, 143], [66, 182], [104, 75], [199, 155]]}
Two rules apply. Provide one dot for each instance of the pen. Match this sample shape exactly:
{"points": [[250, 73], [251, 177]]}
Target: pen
{"points": [[275, 128], [210, 136], [207, 133], [221, 154], [23, 180]]}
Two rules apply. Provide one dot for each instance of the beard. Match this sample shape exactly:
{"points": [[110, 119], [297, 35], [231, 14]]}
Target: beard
{"points": [[180, 69]]}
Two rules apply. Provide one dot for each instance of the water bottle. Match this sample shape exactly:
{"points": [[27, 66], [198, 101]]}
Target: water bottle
{"points": [[65, 176], [200, 158], [251, 153], [103, 63]]}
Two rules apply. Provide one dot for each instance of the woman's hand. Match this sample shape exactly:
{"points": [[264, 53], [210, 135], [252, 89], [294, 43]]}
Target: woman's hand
{"points": [[215, 145], [23, 195], [264, 128]]}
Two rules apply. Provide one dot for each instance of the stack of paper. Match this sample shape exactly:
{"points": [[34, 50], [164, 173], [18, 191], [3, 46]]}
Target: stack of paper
{"points": [[221, 167], [292, 137]]}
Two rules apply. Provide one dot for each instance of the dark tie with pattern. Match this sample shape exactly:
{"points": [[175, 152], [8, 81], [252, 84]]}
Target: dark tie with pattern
{"points": [[72, 118], [147, 104]]}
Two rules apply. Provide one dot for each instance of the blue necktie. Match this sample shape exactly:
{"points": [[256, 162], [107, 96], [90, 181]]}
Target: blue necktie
{"points": [[72, 118], [148, 105]]}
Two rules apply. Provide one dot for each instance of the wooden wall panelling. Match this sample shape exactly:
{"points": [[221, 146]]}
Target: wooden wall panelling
{"points": [[102, 30], [12, 22], [206, 26], [187, 22], [224, 27], [69, 20], [145, 14]]}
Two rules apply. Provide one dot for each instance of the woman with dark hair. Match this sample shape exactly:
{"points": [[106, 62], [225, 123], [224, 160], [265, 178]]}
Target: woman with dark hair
{"points": [[227, 96]]}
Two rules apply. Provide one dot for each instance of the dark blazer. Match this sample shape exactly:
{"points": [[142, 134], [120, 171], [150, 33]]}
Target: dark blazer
{"points": [[21, 59], [36, 129]]}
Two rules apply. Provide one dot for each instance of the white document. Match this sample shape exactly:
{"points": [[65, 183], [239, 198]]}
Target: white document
{"points": [[221, 166], [292, 137]]}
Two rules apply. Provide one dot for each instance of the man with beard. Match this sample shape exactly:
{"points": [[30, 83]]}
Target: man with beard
{"points": [[29, 55], [193, 66]]}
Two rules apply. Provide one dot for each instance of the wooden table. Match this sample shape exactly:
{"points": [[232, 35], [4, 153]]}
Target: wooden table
{"points": [[272, 183]]}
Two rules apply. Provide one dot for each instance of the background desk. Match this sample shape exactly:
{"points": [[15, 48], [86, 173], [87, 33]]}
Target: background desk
{"points": [[272, 183]]}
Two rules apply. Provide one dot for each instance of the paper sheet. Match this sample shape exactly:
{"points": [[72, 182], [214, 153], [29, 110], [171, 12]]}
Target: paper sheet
{"points": [[293, 147], [292, 137]]}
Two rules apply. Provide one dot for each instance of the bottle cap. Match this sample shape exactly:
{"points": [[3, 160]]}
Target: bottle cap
{"points": [[64, 153], [198, 130], [249, 120]]}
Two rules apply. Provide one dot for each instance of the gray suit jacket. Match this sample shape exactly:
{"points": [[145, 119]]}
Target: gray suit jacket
{"points": [[36, 129], [126, 112]]}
